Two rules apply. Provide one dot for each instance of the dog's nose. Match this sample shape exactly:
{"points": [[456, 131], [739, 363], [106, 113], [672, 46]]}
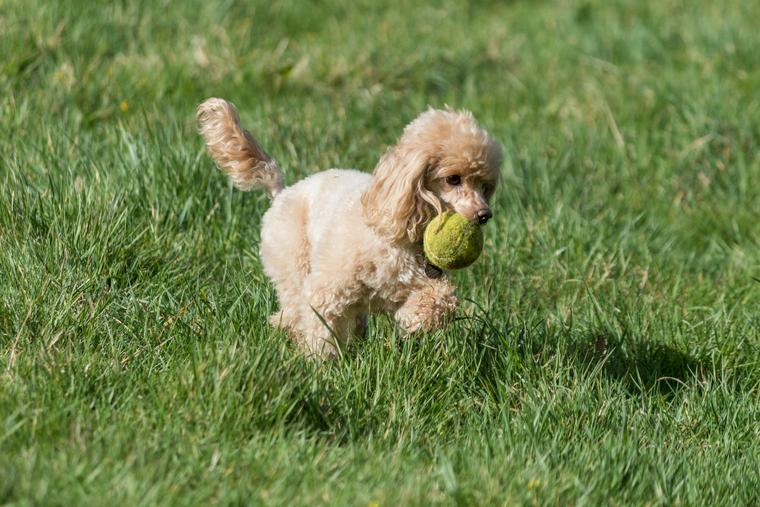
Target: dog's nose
{"points": [[484, 215]]}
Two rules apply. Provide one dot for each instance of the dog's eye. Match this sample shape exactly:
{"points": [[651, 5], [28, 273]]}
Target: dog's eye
{"points": [[454, 180]]}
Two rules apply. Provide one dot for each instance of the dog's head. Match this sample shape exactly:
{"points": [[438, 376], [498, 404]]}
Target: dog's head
{"points": [[443, 161]]}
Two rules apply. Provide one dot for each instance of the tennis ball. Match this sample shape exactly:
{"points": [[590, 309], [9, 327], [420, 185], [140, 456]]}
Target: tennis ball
{"points": [[451, 241]]}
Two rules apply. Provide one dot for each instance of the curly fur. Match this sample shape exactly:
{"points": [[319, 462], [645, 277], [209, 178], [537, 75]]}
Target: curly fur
{"points": [[341, 244], [235, 150]]}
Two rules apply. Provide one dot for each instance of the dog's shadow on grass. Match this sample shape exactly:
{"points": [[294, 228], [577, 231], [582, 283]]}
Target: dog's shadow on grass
{"points": [[638, 364]]}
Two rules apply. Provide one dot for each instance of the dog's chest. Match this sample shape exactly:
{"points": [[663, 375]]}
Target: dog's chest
{"points": [[392, 275]]}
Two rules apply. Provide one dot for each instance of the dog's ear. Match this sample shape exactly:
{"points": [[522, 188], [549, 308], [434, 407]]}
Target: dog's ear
{"points": [[397, 204]]}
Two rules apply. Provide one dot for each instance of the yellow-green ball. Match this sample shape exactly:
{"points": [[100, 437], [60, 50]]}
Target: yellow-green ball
{"points": [[451, 241]]}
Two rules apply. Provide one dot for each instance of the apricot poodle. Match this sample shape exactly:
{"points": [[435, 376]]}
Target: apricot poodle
{"points": [[341, 244]]}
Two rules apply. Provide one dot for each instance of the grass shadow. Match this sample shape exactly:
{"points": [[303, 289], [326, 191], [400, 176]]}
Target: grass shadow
{"points": [[636, 363], [640, 365]]}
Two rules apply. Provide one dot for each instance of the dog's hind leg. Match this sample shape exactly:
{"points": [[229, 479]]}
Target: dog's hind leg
{"points": [[285, 253], [331, 315]]}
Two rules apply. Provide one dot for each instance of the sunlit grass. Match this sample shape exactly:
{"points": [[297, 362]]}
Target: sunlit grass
{"points": [[608, 347]]}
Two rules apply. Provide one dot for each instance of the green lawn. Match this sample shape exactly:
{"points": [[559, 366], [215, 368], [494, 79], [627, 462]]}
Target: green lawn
{"points": [[608, 349]]}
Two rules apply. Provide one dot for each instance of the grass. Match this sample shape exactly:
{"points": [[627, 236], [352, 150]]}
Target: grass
{"points": [[609, 350]]}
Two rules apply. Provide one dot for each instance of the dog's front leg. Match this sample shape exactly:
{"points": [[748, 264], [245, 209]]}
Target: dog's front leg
{"points": [[428, 306]]}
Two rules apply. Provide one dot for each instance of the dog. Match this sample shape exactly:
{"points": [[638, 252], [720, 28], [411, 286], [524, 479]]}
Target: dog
{"points": [[341, 244]]}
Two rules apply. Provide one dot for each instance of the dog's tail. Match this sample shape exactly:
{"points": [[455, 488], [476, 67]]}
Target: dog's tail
{"points": [[235, 150]]}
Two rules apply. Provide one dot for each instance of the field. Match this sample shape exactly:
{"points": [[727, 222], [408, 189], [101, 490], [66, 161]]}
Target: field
{"points": [[608, 347]]}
